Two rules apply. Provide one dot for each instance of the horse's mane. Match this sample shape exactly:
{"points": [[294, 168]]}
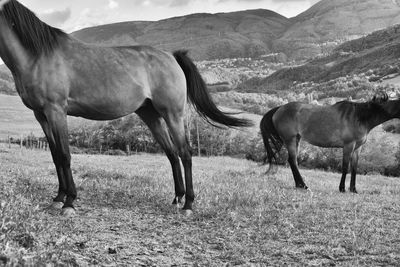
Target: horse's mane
{"points": [[363, 111], [35, 35]]}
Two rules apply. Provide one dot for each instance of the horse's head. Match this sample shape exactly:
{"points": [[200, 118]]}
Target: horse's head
{"points": [[389, 105]]}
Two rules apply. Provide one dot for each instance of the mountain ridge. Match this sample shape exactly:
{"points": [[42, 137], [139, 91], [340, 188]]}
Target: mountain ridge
{"points": [[208, 36], [254, 32]]}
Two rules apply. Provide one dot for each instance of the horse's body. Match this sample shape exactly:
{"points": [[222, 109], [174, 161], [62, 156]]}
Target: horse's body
{"points": [[57, 75], [342, 125], [116, 82]]}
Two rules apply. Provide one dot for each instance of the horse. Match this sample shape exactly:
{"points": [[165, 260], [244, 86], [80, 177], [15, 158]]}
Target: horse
{"points": [[57, 75], [344, 125]]}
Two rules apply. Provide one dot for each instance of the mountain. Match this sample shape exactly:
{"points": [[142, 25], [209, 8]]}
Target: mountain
{"points": [[330, 22], [255, 32], [247, 33], [376, 54]]}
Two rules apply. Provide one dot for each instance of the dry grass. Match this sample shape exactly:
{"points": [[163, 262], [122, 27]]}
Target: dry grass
{"points": [[242, 217]]}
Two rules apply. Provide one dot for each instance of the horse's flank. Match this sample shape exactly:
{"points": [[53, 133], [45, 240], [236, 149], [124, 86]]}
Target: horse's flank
{"points": [[103, 82]]}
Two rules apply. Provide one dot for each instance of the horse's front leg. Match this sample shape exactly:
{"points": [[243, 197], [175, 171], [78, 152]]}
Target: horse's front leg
{"points": [[347, 151], [58, 201], [54, 124], [354, 164]]}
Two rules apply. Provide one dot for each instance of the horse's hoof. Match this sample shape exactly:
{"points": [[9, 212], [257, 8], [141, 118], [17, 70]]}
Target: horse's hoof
{"points": [[342, 190], [187, 213], [68, 212], [177, 200], [55, 206], [354, 191], [302, 186]]}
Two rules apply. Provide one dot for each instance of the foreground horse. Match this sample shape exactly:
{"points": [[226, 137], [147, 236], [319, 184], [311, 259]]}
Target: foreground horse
{"points": [[57, 75], [345, 124]]}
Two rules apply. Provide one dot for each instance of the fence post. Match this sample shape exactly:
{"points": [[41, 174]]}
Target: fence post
{"points": [[198, 138], [128, 150]]}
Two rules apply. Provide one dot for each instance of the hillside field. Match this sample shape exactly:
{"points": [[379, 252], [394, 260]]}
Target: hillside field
{"points": [[16, 119], [241, 216]]}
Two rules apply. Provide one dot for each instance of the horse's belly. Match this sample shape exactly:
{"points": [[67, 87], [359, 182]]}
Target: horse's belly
{"points": [[99, 111], [323, 139]]}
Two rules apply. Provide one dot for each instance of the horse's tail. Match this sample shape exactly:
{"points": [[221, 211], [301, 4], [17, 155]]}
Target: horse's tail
{"points": [[200, 97], [272, 141]]}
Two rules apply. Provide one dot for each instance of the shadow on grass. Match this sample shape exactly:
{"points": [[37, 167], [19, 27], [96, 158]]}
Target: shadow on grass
{"points": [[104, 189]]}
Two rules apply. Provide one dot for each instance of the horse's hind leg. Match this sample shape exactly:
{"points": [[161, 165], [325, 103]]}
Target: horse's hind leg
{"points": [[347, 152], [176, 126], [160, 132], [353, 164], [292, 146]]}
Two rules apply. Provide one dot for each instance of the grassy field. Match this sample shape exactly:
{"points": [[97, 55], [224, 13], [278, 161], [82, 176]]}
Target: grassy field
{"points": [[241, 216], [16, 119]]}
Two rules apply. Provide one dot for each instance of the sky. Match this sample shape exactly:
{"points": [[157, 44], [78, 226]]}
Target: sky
{"points": [[73, 15]]}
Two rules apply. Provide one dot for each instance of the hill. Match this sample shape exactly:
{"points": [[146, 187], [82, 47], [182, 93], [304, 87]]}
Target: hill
{"points": [[252, 33], [247, 33], [375, 55], [331, 22]]}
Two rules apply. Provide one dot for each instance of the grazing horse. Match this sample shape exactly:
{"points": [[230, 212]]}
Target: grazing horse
{"points": [[57, 75], [345, 124]]}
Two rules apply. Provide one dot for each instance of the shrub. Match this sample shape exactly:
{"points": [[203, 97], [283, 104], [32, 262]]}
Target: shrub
{"points": [[392, 126], [115, 152]]}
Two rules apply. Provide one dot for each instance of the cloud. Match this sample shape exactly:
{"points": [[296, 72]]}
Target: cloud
{"points": [[274, 1], [293, 1], [112, 4], [56, 17], [177, 3], [251, 1]]}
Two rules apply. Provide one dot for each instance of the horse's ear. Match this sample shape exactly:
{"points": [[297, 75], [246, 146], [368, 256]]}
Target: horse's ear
{"points": [[380, 97], [385, 97], [2, 3]]}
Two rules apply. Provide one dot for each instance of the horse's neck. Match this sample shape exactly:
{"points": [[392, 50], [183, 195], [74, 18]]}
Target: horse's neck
{"points": [[12, 52], [391, 109]]}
